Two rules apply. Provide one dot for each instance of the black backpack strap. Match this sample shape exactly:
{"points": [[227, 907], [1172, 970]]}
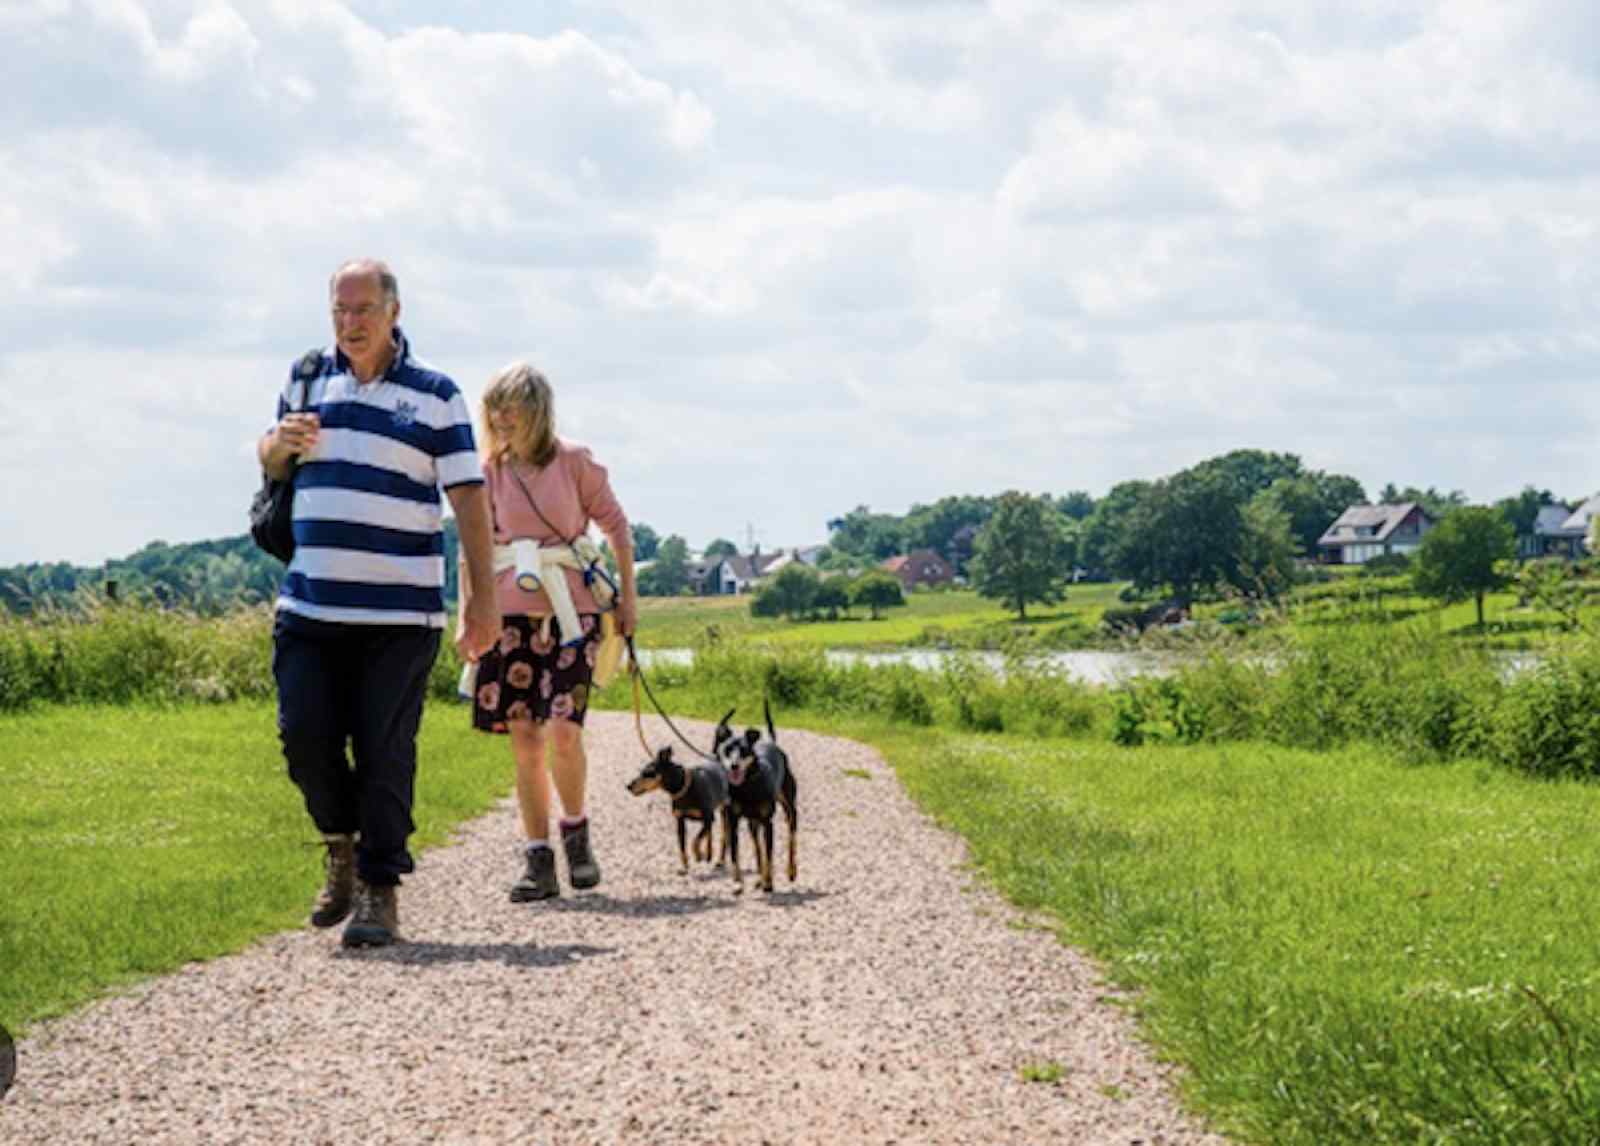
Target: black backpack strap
{"points": [[308, 367]]}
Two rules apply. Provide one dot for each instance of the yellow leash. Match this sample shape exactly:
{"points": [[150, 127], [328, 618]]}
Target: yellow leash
{"points": [[638, 708]]}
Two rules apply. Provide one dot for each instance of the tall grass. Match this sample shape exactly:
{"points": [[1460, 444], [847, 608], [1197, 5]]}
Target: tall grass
{"points": [[1417, 690], [1029, 696]]}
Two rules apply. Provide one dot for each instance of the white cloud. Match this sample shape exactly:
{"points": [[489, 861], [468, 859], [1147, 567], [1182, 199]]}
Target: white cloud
{"points": [[849, 253]]}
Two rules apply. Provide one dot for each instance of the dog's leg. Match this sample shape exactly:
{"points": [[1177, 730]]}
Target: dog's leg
{"points": [[761, 830], [730, 841], [791, 814], [683, 850]]}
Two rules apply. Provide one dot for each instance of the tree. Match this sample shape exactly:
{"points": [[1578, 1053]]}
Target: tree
{"points": [[1101, 534], [938, 526], [721, 547], [1555, 584], [1077, 505], [1185, 532], [1434, 503], [1264, 564], [792, 592], [832, 596], [1024, 554], [645, 541], [862, 533], [1250, 471], [877, 591], [1465, 555], [1523, 510], [1313, 501], [668, 574]]}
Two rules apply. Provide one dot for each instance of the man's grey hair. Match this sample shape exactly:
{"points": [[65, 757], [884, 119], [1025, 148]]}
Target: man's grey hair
{"points": [[386, 277]]}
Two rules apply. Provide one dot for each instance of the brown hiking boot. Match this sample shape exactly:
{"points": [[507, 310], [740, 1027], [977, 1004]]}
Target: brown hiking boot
{"points": [[376, 922], [582, 871], [337, 894]]}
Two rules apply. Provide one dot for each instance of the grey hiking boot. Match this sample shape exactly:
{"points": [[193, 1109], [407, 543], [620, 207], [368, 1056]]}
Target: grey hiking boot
{"points": [[376, 922], [539, 881], [581, 868], [338, 893]]}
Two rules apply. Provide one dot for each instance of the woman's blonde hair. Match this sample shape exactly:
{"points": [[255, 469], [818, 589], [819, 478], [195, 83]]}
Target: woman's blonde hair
{"points": [[523, 393]]}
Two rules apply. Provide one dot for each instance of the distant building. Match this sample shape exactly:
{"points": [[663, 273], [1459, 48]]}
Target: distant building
{"points": [[1552, 536], [1363, 532], [1581, 522], [920, 567]]}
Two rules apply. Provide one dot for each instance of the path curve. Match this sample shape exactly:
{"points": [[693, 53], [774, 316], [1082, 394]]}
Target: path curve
{"points": [[883, 998]]}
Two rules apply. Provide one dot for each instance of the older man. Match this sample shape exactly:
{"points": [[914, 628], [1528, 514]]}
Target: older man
{"points": [[374, 434]]}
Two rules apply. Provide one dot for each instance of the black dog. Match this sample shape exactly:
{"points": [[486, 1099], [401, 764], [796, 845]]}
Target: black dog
{"points": [[698, 793], [760, 781]]}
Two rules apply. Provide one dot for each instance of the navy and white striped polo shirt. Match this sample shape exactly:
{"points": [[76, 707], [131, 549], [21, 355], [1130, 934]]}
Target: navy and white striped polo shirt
{"points": [[369, 546]]}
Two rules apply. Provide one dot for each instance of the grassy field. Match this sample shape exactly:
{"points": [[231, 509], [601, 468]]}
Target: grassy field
{"points": [[961, 619], [956, 617], [133, 840], [1338, 947]]}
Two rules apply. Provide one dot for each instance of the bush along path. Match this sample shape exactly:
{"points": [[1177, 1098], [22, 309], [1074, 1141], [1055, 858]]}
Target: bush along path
{"points": [[880, 998]]}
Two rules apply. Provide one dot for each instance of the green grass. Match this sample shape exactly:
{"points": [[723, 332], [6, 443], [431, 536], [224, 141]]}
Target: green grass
{"points": [[959, 617], [1339, 948], [133, 840]]}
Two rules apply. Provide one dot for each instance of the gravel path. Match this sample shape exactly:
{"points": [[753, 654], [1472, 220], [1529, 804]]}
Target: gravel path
{"points": [[881, 998]]}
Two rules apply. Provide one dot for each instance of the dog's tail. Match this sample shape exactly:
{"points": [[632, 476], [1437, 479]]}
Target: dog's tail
{"points": [[766, 707]]}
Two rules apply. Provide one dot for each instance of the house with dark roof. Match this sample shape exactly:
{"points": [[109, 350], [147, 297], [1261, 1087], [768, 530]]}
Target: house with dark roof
{"points": [[737, 572], [1552, 536], [920, 567], [1363, 532]]}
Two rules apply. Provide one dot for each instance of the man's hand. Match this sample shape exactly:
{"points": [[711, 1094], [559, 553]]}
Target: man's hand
{"points": [[295, 436], [478, 629]]}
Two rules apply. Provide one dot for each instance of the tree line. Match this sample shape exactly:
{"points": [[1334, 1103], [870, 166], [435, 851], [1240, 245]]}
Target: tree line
{"points": [[1236, 522]]}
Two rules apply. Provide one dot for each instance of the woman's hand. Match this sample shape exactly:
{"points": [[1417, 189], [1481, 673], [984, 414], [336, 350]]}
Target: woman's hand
{"points": [[627, 614]]}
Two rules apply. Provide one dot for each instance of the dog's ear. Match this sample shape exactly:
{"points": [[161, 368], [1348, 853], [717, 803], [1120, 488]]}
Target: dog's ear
{"points": [[751, 735], [664, 755], [727, 716]]}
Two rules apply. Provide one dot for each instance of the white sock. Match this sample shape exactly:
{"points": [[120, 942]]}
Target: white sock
{"points": [[535, 845]]}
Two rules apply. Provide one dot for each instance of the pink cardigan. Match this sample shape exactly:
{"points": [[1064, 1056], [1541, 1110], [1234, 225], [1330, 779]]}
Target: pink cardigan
{"points": [[571, 491]]}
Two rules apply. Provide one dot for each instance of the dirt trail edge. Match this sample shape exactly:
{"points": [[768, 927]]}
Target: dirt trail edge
{"points": [[880, 998]]}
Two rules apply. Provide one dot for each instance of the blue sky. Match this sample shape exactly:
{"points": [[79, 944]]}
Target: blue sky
{"points": [[787, 258]]}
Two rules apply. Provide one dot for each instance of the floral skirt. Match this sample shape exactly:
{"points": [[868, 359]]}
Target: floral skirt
{"points": [[530, 677]]}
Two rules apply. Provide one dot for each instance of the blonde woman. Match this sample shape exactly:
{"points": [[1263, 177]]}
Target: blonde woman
{"points": [[534, 684]]}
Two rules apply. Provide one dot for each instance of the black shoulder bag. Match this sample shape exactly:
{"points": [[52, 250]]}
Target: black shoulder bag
{"points": [[272, 508]]}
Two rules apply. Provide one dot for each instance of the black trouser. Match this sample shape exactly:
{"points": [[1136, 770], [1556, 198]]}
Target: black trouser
{"points": [[363, 684]]}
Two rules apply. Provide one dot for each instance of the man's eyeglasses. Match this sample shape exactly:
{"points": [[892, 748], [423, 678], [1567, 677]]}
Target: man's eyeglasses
{"points": [[360, 313]]}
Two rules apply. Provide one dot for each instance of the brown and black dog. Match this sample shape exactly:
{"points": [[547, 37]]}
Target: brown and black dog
{"points": [[760, 781], [699, 792]]}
